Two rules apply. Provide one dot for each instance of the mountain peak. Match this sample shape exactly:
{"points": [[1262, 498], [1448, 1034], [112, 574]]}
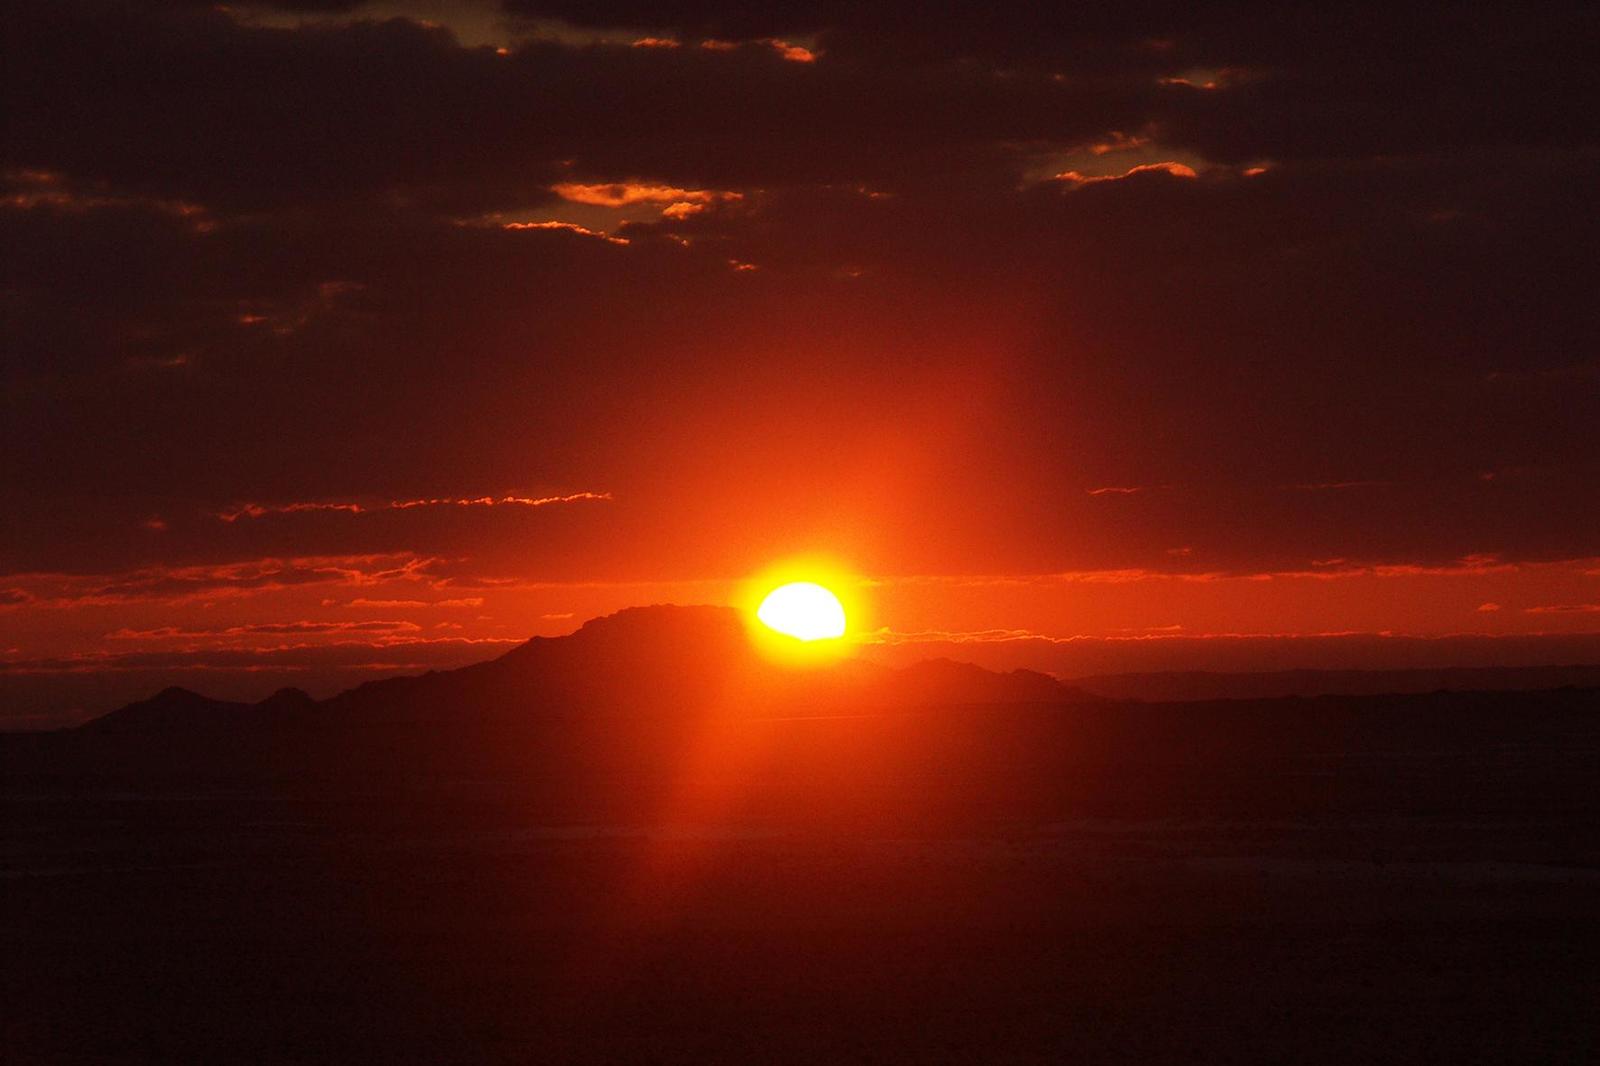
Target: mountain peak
{"points": [[173, 708], [287, 699], [643, 627], [173, 694], [657, 614], [650, 661], [665, 622]]}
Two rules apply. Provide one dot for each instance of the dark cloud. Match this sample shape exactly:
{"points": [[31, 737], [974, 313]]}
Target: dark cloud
{"points": [[1320, 285], [394, 112], [1224, 336], [1296, 79]]}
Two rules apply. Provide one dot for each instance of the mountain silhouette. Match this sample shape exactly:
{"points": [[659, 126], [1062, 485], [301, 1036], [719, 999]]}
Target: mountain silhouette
{"points": [[657, 661], [601, 718], [637, 714], [170, 710]]}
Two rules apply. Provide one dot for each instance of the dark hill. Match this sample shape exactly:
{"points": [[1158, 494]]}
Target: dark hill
{"points": [[644, 843], [624, 719], [645, 661], [172, 710]]}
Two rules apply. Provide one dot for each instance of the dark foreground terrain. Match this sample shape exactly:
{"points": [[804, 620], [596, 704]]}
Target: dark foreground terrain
{"points": [[1341, 880]]}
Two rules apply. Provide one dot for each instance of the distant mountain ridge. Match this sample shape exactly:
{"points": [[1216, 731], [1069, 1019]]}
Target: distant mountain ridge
{"points": [[1191, 685], [643, 660], [665, 659], [671, 715]]}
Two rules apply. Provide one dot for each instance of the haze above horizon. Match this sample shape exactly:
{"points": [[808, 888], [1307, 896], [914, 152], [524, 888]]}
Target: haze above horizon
{"points": [[363, 338]]}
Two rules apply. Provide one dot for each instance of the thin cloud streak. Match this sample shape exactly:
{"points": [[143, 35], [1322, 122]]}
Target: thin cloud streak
{"points": [[361, 601], [627, 193], [1333, 486], [183, 584], [258, 510], [1332, 570], [413, 653], [895, 638], [1007, 636], [570, 227], [1169, 168], [262, 629]]}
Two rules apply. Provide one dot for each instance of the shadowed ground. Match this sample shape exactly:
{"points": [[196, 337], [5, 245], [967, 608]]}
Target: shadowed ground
{"points": [[1372, 879]]}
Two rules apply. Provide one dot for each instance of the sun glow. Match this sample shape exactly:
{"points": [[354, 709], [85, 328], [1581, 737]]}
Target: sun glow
{"points": [[803, 610]]}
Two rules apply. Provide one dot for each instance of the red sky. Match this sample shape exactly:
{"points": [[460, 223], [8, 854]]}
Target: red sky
{"points": [[346, 338]]}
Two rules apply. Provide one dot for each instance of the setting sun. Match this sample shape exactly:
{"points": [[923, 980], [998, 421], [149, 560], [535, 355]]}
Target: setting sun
{"points": [[758, 531], [803, 610]]}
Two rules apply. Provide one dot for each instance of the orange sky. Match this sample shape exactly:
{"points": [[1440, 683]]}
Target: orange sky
{"points": [[380, 337], [329, 621]]}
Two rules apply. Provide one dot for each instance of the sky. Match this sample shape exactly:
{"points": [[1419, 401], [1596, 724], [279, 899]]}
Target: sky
{"points": [[348, 338]]}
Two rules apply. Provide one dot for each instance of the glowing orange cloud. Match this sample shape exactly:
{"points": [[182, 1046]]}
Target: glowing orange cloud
{"points": [[1119, 142], [626, 193], [179, 584], [682, 209], [570, 227], [1175, 169], [297, 628], [791, 52], [47, 188], [257, 510], [362, 601]]}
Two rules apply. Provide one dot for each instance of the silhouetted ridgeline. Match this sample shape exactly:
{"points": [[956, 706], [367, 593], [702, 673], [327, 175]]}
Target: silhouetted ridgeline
{"points": [[1175, 685], [645, 662], [609, 721], [641, 843]]}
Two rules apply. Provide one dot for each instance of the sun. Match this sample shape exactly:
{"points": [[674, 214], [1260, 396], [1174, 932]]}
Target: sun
{"points": [[803, 610]]}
